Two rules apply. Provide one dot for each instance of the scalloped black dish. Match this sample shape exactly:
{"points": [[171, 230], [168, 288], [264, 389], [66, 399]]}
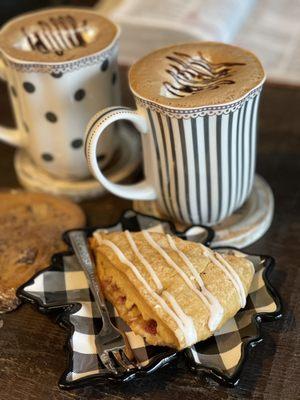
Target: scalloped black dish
{"points": [[62, 288]]}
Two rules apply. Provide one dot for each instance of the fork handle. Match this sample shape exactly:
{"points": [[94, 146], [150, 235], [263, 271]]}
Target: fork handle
{"points": [[80, 246]]}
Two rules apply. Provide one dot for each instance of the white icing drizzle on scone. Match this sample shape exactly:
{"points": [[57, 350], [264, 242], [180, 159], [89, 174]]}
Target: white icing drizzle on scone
{"points": [[184, 322], [190, 331], [171, 262], [220, 262], [214, 319], [184, 326], [142, 259], [212, 303]]}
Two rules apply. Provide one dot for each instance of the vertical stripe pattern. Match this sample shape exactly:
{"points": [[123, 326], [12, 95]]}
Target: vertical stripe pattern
{"points": [[205, 164]]}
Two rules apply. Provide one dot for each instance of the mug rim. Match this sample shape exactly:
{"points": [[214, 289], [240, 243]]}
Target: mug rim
{"points": [[192, 112], [59, 66], [157, 105]]}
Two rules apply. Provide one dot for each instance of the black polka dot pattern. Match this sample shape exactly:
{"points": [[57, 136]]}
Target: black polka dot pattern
{"points": [[47, 157], [77, 143], [51, 117], [79, 95], [13, 90], [29, 87], [105, 65], [114, 78], [56, 74]]}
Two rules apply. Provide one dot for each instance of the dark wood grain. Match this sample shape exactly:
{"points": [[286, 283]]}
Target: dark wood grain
{"points": [[32, 355]]}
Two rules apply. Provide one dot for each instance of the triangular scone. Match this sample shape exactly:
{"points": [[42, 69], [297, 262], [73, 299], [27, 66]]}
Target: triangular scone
{"points": [[170, 291]]}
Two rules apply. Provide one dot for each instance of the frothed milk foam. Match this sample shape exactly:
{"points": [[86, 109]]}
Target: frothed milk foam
{"points": [[56, 35], [195, 74]]}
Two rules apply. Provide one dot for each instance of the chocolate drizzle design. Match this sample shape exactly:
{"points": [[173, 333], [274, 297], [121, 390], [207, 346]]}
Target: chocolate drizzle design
{"points": [[56, 35], [193, 74]]}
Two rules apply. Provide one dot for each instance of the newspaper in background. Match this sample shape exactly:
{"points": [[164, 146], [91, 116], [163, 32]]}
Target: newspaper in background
{"points": [[270, 28], [212, 20], [150, 24], [272, 32]]}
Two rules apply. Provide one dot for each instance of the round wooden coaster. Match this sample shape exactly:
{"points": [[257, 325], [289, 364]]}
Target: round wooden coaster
{"points": [[124, 163], [243, 227]]}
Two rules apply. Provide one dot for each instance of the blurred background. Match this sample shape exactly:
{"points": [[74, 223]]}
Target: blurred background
{"points": [[11, 8], [270, 28]]}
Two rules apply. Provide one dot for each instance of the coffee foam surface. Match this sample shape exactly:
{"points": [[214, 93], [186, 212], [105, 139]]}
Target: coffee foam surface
{"points": [[196, 74], [56, 35]]}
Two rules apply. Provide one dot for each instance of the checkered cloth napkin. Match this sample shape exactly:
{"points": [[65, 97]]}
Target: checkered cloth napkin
{"points": [[63, 287]]}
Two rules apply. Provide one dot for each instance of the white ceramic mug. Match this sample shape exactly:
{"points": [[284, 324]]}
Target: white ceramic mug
{"points": [[54, 100], [199, 163]]}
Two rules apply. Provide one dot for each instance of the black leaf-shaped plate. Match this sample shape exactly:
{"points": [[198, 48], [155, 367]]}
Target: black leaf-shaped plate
{"points": [[63, 288]]}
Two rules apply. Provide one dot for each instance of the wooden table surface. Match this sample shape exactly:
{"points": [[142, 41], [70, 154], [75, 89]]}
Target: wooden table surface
{"points": [[32, 355]]}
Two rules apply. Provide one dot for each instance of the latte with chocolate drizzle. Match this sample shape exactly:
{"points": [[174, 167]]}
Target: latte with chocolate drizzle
{"points": [[196, 74], [56, 35], [188, 74]]}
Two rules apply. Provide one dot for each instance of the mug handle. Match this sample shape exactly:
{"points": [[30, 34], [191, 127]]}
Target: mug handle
{"points": [[143, 190], [8, 135]]}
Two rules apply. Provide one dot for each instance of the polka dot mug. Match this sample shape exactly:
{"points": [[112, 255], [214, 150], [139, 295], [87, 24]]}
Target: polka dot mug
{"points": [[60, 65]]}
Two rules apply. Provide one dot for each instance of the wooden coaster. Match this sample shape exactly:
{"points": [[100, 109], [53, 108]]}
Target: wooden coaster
{"points": [[243, 227]]}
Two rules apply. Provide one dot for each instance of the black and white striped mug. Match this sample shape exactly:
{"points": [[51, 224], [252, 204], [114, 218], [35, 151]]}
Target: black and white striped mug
{"points": [[197, 113]]}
